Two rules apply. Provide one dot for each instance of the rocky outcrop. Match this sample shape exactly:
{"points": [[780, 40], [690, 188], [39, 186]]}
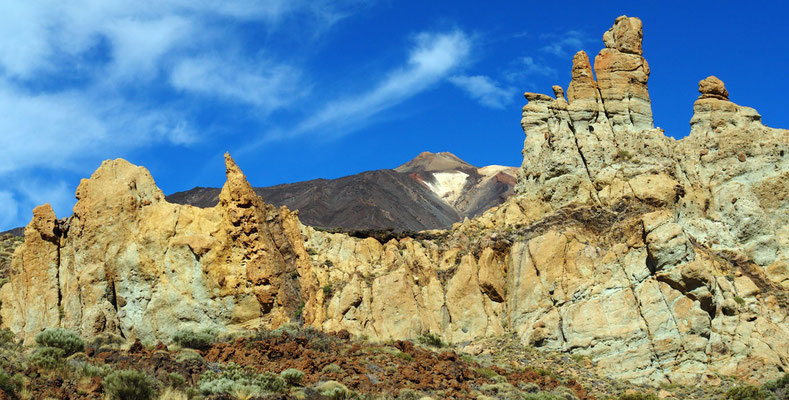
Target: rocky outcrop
{"points": [[127, 262], [662, 260]]}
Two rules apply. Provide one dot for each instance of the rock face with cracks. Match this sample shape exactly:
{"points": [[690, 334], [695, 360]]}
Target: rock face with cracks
{"points": [[129, 263], [663, 260]]}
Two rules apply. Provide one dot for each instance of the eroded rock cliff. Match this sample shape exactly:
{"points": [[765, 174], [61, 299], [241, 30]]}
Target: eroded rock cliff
{"points": [[129, 263], [660, 259]]}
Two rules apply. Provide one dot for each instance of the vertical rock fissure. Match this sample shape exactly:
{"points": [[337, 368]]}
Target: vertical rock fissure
{"points": [[61, 313], [637, 302]]}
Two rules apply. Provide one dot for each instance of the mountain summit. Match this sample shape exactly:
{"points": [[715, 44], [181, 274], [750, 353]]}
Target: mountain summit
{"points": [[434, 190]]}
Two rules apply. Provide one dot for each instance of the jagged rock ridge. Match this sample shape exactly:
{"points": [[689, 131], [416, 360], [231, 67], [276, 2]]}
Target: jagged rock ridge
{"points": [[432, 191], [663, 260]]}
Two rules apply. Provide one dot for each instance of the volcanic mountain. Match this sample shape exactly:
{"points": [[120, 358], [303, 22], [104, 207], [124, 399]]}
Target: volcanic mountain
{"points": [[434, 190]]}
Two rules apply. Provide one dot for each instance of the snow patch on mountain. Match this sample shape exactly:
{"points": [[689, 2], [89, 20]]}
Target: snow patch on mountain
{"points": [[448, 185]]}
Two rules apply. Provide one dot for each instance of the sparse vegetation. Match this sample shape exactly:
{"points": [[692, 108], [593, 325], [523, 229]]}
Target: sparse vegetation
{"points": [[130, 385], [193, 340], [431, 339], [292, 376], [638, 396], [233, 378], [747, 392], [63, 339], [48, 358], [11, 385]]}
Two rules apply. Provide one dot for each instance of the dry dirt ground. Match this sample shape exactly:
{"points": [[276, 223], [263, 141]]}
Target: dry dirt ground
{"points": [[501, 369]]}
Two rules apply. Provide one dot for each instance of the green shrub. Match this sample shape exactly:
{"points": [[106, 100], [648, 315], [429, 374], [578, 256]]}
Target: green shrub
{"points": [[638, 396], [541, 396], [779, 387], [6, 337], [91, 370], [176, 380], [193, 340], [331, 368], [529, 387], [129, 385], [292, 376], [748, 392], [335, 390], [431, 339], [408, 394], [47, 357], [565, 393], [236, 379], [60, 338], [10, 385]]}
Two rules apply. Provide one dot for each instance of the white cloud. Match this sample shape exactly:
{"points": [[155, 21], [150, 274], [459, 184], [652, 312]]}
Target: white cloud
{"points": [[85, 80], [433, 57], [138, 45], [484, 90], [265, 85], [565, 44], [530, 67], [57, 130], [8, 209]]}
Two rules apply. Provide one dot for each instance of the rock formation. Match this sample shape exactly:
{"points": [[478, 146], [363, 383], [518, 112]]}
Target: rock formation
{"points": [[129, 263], [662, 260]]}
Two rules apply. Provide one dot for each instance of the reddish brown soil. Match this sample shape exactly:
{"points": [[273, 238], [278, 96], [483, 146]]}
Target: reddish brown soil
{"points": [[364, 367], [368, 368]]}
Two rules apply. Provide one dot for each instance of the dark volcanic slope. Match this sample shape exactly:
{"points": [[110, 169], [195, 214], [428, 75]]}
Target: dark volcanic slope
{"points": [[379, 199], [15, 232], [400, 199]]}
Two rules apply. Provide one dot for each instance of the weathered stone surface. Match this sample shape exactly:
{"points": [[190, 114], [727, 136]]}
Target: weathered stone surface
{"points": [[713, 87], [711, 196], [132, 264]]}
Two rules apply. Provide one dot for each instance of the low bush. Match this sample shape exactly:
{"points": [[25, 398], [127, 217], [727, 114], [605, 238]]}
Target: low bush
{"points": [[193, 340], [331, 368], [63, 339], [11, 385], [431, 339], [779, 387], [176, 380], [292, 376], [638, 396], [565, 393], [233, 378], [129, 385], [6, 337], [47, 358], [335, 390], [408, 394]]}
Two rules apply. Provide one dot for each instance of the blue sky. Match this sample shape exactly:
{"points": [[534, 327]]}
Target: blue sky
{"points": [[298, 90]]}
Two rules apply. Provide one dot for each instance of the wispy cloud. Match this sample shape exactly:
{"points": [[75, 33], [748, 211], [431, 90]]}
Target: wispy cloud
{"points": [[265, 85], [8, 208], [84, 80], [484, 90], [528, 66], [564, 44], [432, 58]]}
